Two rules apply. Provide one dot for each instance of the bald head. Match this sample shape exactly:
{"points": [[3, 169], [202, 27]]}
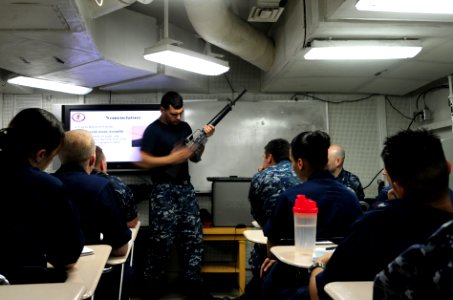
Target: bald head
{"points": [[79, 148], [336, 157]]}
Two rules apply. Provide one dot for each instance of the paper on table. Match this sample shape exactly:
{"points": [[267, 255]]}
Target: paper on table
{"points": [[323, 243], [320, 251], [86, 251]]}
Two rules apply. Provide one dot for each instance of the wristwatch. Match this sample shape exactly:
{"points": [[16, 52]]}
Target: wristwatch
{"points": [[315, 265]]}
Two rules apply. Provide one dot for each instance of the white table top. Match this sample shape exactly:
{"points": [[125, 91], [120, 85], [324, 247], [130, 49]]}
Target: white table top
{"points": [[350, 290], [255, 224], [287, 254], [45, 291], [256, 236], [88, 269]]}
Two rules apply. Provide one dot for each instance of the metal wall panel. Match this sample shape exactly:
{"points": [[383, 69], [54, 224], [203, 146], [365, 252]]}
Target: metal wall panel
{"points": [[237, 147]]}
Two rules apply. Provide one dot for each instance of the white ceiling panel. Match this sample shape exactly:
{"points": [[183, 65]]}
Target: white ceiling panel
{"points": [[305, 68], [23, 16], [419, 70], [316, 84], [393, 86], [59, 39], [97, 73]]}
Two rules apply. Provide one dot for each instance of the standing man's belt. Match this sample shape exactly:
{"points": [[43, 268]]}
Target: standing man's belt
{"points": [[174, 182]]}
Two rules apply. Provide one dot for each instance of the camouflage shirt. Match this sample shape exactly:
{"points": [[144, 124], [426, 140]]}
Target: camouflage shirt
{"points": [[267, 185], [423, 271], [353, 182], [265, 188], [124, 196]]}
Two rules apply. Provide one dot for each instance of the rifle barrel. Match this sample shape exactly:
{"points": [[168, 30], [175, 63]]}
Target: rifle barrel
{"points": [[225, 110]]}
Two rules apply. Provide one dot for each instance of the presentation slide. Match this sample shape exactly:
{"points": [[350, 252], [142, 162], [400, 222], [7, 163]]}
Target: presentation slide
{"points": [[118, 133]]}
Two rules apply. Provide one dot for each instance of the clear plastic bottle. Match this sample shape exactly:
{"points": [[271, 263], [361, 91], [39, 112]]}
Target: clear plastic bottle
{"points": [[305, 217]]}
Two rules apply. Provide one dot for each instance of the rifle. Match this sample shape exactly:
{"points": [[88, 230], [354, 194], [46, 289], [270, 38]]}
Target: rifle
{"points": [[198, 139]]}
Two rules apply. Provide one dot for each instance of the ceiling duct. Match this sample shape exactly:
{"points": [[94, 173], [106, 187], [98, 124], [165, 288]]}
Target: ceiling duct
{"points": [[217, 25]]}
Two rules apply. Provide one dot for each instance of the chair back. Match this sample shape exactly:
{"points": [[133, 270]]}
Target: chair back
{"points": [[3, 280]]}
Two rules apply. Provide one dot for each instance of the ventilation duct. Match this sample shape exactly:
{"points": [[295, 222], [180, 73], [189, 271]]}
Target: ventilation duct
{"points": [[217, 25]]}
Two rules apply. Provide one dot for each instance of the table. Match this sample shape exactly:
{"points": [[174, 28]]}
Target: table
{"points": [[350, 290], [255, 236], [287, 254], [88, 269], [45, 291], [228, 234], [121, 260]]}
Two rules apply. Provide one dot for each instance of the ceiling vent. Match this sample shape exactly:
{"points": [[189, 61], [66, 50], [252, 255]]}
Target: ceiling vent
{"points": [[99, 8], [266, 11]]}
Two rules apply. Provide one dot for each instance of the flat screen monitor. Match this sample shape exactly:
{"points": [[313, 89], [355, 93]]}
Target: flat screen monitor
{"points": [[230, 202], [116, 128]]}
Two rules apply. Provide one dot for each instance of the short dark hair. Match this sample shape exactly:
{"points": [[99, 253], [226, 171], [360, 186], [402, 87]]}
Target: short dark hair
{"points": [[171, 98], [279, 148], [99, 156], [416, 161], [311, 146]]}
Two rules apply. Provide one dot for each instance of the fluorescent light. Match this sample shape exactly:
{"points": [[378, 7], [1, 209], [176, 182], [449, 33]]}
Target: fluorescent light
{"points": [[188, 60], [49, 85], [407, 6], [363, 50]]}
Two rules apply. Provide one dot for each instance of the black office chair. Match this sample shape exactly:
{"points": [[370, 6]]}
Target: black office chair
{"points": [[365, 206]]}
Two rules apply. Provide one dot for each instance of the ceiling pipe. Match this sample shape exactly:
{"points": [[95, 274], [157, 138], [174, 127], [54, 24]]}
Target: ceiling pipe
{"points": [[219, 26]]}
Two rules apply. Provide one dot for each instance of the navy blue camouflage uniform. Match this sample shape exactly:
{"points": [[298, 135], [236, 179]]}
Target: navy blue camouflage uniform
{"points": [[265, 188], [174, 214], [423, 271], [124, 195], [353, 182]]}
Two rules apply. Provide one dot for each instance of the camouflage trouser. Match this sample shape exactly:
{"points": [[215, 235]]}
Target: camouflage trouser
{"points": [[174, 216], [257, 257]]}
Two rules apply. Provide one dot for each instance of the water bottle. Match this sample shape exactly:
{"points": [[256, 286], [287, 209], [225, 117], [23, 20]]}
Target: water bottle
{"points": [[305, 216]]}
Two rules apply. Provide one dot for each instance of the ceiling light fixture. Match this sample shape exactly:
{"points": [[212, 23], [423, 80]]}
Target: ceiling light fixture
{"points": [[362, 49], [167, 52], [49, 85], [171, 55], [407, 6]]}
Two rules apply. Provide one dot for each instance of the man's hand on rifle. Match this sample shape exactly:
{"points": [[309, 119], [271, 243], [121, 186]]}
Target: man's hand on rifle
{"points": [[180, 154], [208, 129]]}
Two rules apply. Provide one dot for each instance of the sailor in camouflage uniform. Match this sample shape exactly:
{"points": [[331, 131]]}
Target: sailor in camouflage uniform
{"points": [[336, 155], [174, 215], [276, 175], [423, 271], [124, 195]]}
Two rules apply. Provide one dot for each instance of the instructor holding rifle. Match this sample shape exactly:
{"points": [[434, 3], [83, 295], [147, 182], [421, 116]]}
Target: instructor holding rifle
{"points": [[167, 145]]}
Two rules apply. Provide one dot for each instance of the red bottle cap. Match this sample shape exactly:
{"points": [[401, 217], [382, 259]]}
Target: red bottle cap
{"points": [[304, 205]]}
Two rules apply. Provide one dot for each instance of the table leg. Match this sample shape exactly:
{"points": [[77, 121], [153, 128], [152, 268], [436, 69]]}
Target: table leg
{"points": [[241, 262], [121, 282]]}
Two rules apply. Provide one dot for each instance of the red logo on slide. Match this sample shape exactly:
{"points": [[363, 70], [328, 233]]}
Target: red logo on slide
{"points": [[78, 117]]}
